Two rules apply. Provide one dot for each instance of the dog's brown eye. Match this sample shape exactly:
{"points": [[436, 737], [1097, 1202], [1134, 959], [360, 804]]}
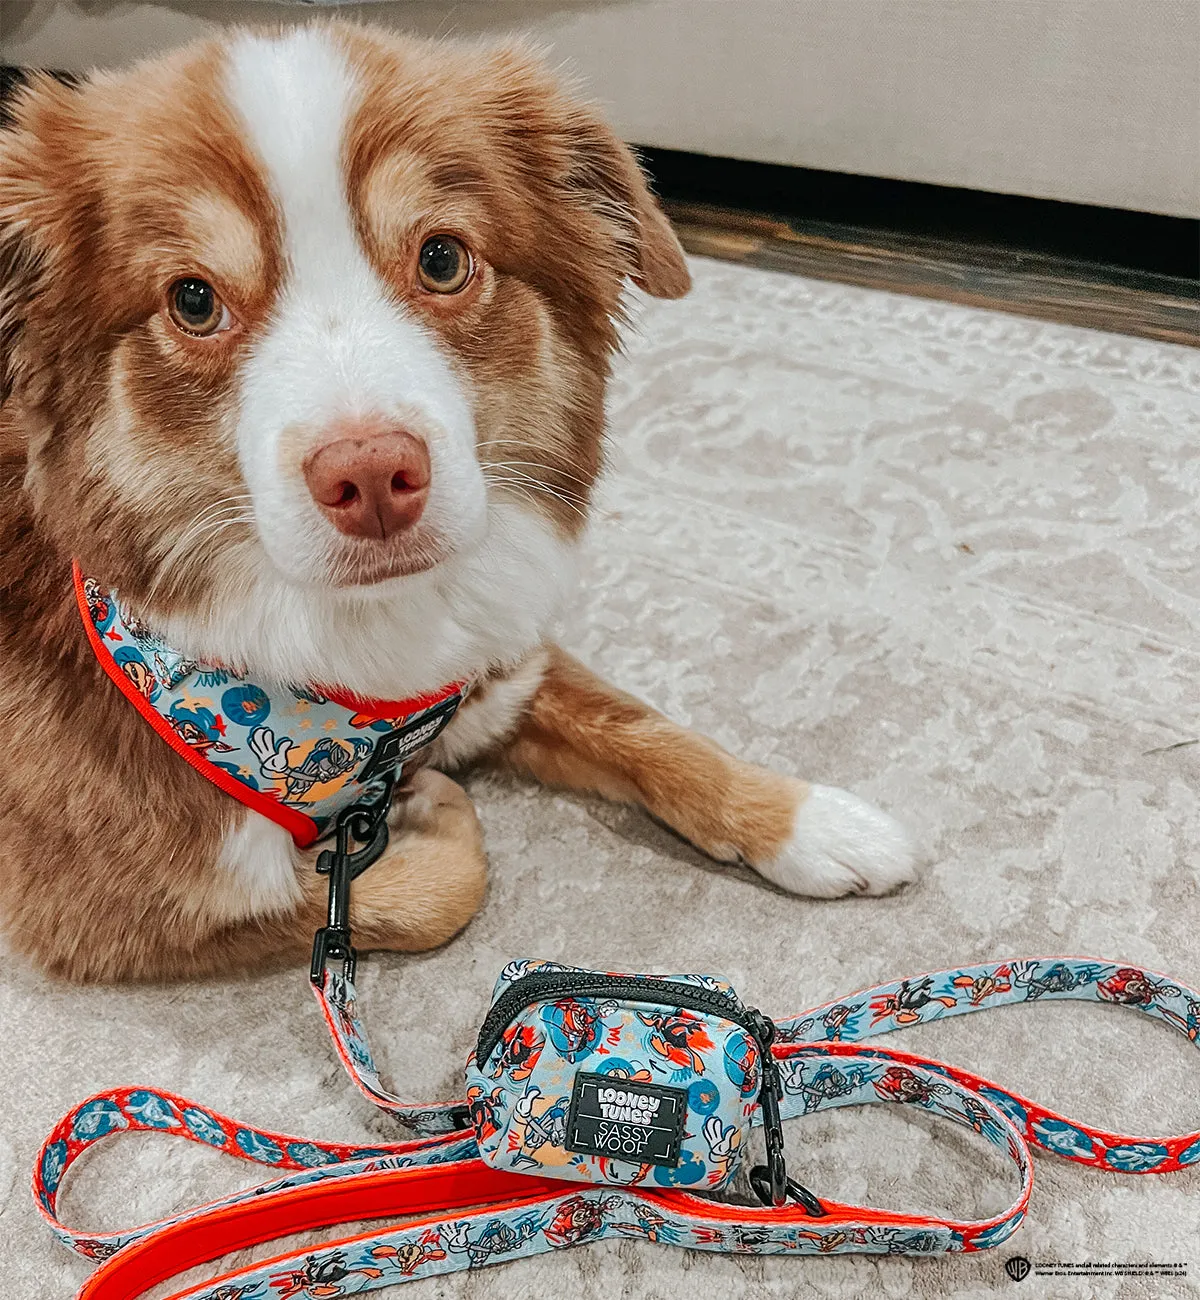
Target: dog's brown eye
{"points": [[195, 308], [444, 264]]}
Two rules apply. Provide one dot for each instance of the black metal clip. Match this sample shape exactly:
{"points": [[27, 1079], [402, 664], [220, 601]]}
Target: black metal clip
{"points": [[792, 1191], [364, 821], [771, 1183]]}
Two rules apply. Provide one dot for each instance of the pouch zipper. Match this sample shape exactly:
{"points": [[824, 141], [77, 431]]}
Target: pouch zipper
{"points": [[770, 1180], [542, 986]]}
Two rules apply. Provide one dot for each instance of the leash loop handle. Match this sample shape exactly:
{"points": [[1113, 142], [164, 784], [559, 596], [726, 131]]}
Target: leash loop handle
{"points": [[471, 1214]]}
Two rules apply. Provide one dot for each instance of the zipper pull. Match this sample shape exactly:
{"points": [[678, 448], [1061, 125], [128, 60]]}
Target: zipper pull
{"points": [[772, 1082], [763, 1029]]}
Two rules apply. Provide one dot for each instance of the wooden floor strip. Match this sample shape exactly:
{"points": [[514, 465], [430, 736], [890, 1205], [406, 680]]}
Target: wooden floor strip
{"points": [[1027, 284]]}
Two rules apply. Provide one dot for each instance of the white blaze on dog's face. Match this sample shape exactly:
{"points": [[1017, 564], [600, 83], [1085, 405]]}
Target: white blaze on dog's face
{"points": [[340, 356], [313, 331]]}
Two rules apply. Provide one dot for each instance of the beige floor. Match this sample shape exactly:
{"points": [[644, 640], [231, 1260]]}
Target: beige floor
{"points": [[941, 556]]}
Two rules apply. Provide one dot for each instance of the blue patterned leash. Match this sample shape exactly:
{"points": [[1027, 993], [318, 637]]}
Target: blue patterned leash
{"points": [[460, 1213]]}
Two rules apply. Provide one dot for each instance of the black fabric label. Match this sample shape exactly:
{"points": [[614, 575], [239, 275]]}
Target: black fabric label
{"points": [[623, 1120], [402, 743]]}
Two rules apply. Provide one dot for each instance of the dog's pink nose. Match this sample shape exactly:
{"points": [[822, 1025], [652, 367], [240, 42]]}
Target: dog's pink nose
{"points": [[373, 486]]}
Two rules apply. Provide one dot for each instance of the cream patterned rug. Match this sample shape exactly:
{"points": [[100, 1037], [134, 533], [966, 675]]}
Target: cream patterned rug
{"points": [[941, 556]]}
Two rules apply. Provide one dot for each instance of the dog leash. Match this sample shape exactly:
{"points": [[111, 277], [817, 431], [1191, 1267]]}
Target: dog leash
{"points": [[459, 1212]]}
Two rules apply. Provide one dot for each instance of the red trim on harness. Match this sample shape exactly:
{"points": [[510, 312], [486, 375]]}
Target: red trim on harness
{"points": [[371, 710], [302, 828]]}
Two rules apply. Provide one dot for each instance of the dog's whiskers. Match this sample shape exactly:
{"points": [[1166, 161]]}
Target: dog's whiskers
{"points": [[511, 470], [526, 485], [537, 464], [208, 523], [554, 460]]}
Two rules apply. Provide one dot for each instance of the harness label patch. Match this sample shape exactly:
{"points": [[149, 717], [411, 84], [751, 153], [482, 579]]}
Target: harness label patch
{"points": [[624, 1120], [402, 743]]}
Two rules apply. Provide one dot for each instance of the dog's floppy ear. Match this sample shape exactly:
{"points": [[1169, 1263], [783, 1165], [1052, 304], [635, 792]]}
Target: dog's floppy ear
{"points": [[607, 164], [31, 208], [563, 141]]}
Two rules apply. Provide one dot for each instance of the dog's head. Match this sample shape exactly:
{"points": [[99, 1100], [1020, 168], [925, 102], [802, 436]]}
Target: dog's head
{"points": [[294, 324]]}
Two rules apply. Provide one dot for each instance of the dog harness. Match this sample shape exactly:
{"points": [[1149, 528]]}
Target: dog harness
{"points": [[598, 1104], [298, 754]]}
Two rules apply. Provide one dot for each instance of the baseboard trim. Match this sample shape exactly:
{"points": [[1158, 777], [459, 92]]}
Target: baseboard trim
{"points": [[1101, 268], [1152, 307]]}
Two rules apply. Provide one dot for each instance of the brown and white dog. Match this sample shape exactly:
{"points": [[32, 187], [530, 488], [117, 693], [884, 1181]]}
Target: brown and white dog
{"points": [[305, 341]]}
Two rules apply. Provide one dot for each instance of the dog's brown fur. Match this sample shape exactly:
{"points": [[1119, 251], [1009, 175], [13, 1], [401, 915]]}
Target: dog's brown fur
{"points": [[113, 433], [582, 734]]}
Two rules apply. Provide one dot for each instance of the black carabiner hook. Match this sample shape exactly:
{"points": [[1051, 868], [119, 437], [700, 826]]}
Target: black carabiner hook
{"points": [[771, 1183], [366, 822]]}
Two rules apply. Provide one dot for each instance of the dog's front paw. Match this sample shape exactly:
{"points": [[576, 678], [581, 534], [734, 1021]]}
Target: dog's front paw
{"points": [[841, 844]]}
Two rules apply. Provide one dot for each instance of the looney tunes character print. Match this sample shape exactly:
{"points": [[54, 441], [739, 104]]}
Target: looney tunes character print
{"points": [[823, 1084], [497, 1237], [588, 1087], [978, 988], [579, 1218], [678, 1037], [322, 1276], [199, 727], [406, 1260], [520, 1047], [814, 1075], [296, 754], [326, 761], [1059, 977], [547, 1125], [907, 1002], [1134, 988], [835, 1022], [575, 1024]]}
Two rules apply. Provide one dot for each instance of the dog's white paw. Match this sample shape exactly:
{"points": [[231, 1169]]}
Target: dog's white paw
{"points": [[841, 844]]}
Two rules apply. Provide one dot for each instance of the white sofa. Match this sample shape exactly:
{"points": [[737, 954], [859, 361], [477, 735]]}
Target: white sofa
{"points": [[1091, 101]]}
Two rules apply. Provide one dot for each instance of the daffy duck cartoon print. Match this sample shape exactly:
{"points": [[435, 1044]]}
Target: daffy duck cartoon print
{"points": [[319, 1277], [678, 1037], [906, 1004], [521, 1046], [326, 761], [484, 1108]]}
